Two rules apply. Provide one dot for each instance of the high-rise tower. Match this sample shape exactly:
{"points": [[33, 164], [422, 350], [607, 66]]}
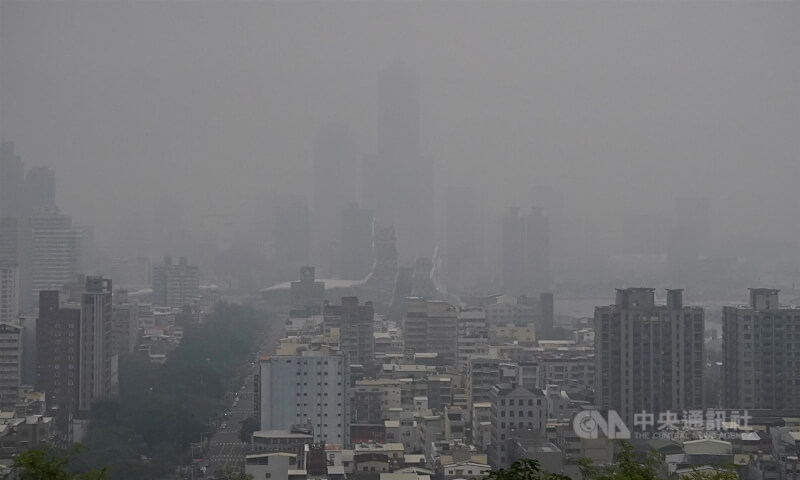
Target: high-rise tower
{"points": [[97, 369], [12, 175], [648, 357], [335, 188], [398, 179]]}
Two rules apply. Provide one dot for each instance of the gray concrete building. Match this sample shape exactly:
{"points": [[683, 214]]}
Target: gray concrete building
{"points": [[175, 284], [761, 353], [431, 327], [649, 357]]}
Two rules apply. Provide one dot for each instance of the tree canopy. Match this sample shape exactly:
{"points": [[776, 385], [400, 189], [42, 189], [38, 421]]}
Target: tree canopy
{"points": [[145, 432], [626, 467], [50, 465]]}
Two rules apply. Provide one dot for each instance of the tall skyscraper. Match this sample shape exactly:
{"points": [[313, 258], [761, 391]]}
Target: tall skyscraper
{"points": [[15, 249], [307, 292], [56, 251], [526, 253], [356, 325], [12, 176], [9, 293], [357, 254], [96, 369], [514, 253], [175, 284], [463, 252], [292, 234], [40, 190], [760, 353], [335, 187], [648, 357], [398, 179], [58, 354], [309, 388]]}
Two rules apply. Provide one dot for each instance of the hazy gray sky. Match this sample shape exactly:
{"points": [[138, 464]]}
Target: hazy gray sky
{"points": [[618, 104]]}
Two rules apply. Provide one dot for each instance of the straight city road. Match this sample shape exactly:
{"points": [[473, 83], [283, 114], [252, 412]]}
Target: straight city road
{"points": [[226, 451]]}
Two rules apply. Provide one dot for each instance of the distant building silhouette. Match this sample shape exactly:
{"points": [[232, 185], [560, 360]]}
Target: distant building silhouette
{"points": [[398, 179], [356, 254], [464, 244], [175, 284], [335, 187], [526, 253], [40, 190], [292, 234], [15, 249], [56, 251], [12, 176], [307, 292]]}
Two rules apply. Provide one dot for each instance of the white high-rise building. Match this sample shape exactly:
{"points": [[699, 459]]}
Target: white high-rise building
{"points": [[9, 293], [175, 284], [311, 388], [56, 252], [11, 361]]}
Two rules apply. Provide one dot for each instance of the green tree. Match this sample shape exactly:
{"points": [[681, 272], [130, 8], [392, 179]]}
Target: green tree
{"points": [[626, 467], [162, 409], [50, 465], [525, 469]]}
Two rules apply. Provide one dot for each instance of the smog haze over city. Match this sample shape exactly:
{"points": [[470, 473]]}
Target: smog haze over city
{"points": [[454, 204]]}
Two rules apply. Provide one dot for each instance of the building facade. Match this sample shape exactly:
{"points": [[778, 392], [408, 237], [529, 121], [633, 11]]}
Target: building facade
{"points": [[11, 362], [15, 250], [125, 324], [761, 353], [56, 251], [309, 388], [526, 253], [649, 357], [58, 354], [431, 327], [9, 293], [356, 326], [516, 410], [175, 285], [12, 176], [97, 370]]}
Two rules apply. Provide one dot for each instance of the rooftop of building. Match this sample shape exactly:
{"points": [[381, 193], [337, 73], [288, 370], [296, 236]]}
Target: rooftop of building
{"points": [[282, 434]]}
